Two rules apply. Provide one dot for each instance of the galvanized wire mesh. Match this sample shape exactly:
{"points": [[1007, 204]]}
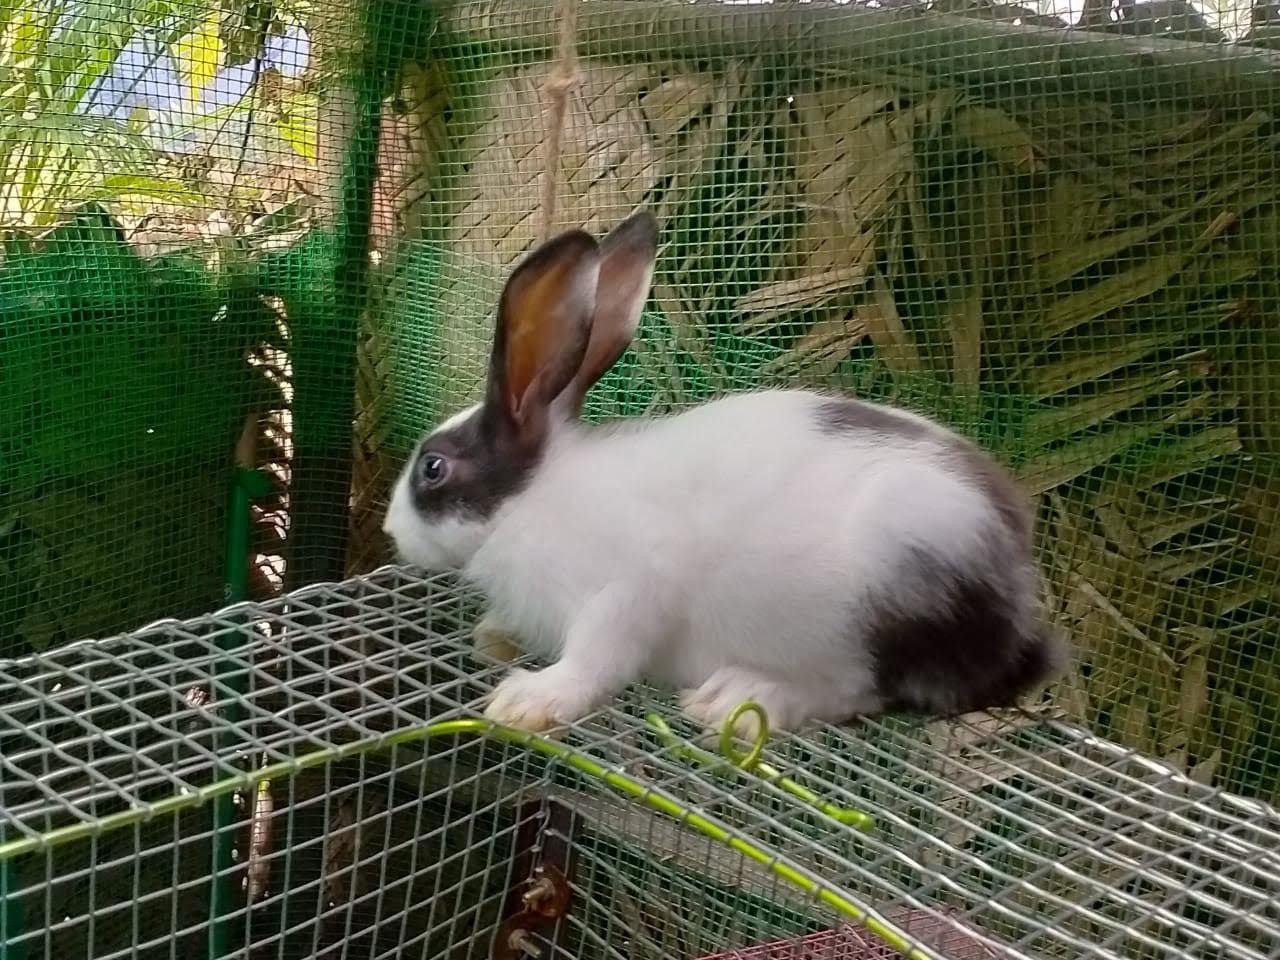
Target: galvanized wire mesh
{"points": [[1015, 835]]}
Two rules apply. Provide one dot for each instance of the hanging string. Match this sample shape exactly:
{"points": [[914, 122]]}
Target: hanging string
{"points": [[561, 80]]}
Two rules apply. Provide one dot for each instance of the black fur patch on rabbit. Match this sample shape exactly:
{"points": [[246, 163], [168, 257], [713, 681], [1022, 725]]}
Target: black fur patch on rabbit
{"points": [[854, 416], [981, 651], [841, 415]]}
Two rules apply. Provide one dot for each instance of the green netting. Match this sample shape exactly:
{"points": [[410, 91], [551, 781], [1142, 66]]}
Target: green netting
{"points": [[1063, 241], [176, 295]]}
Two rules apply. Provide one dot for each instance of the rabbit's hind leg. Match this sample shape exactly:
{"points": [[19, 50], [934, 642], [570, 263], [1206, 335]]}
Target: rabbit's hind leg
{"points": [[789, 703]]}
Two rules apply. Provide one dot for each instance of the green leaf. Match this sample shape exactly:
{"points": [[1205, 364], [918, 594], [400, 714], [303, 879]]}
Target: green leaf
{"points": [[198, 55], [139, 117], [300, 133], [170, 190], [213, 119], [29, 38], [33, 159]]}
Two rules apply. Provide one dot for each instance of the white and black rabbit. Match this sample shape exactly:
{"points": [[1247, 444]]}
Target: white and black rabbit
{"points": [[824, 557]]}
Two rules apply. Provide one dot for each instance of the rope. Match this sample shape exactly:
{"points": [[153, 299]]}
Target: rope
{"points": [[561, 79]]}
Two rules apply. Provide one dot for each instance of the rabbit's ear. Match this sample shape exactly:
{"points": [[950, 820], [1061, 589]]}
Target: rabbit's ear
{"points": [[544, 321], [627, 257]]}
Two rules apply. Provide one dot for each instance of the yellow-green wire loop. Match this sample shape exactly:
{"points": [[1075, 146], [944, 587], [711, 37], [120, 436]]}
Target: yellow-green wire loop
{"points": [[749, 760], [751, 763], [637, 790]]}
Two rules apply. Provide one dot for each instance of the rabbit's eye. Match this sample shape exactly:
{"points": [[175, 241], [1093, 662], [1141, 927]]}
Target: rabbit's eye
{"points": [[434, 468]]}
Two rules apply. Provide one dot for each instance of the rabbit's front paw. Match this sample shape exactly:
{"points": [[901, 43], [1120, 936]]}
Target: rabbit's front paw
{"points": [[536, 701]]}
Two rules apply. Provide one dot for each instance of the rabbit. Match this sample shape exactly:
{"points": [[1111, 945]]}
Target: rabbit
{"points": [[825, 557]]}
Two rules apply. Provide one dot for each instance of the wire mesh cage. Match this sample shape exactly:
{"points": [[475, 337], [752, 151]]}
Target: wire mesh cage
{"points": [[308, 778]]}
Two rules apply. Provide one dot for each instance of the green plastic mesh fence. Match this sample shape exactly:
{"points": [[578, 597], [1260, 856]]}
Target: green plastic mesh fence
{"points": [[174, 301], [1056, 229]]}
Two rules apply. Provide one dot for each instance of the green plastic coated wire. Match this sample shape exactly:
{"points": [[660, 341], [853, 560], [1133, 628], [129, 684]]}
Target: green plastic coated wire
{"points": [[644, 793], [750, 762]]}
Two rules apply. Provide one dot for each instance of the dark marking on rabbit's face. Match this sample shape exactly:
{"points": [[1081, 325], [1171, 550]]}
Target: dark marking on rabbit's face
{"points": [[461, 470]]}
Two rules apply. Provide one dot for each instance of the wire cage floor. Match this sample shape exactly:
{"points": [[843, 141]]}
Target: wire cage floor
{"points": [[309, 778]]}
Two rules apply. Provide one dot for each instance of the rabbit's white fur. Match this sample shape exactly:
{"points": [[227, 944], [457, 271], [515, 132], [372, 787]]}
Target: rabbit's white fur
{"points": [[726, 550]]}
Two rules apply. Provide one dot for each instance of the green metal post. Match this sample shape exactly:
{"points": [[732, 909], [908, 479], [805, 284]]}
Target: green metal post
{"points": [[247, 484], [323, 352]]}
